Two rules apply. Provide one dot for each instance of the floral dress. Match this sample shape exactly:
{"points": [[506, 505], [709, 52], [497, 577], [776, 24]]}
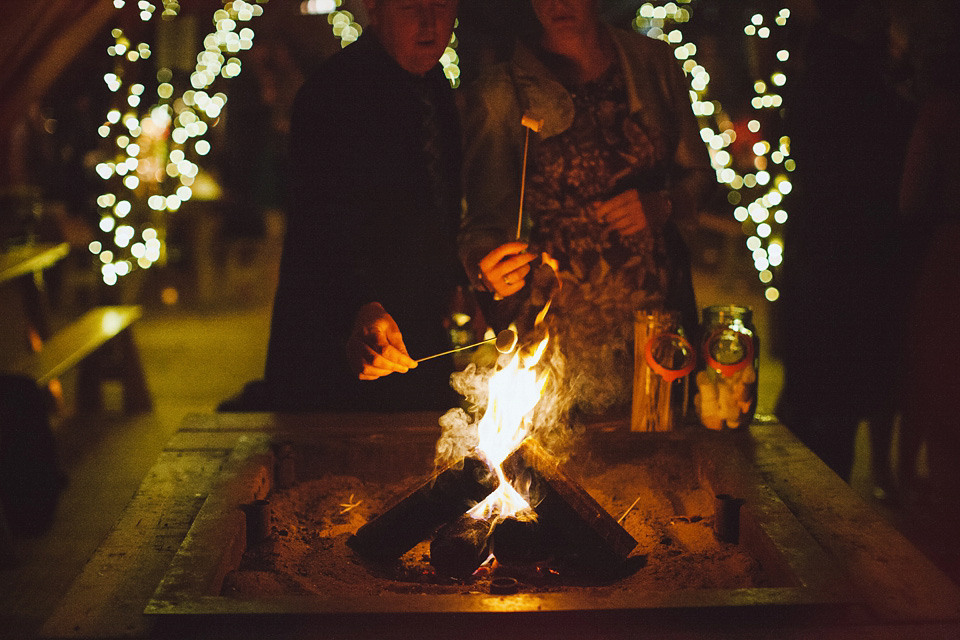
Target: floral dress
{"points": [[605, 277]]}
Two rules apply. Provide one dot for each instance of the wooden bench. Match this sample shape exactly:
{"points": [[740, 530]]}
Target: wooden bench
{"points": [[98, 343], [101, 345], [31, 259]]}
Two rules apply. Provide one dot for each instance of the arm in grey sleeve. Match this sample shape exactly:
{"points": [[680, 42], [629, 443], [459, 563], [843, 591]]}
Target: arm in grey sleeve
{"points": [[493, 154]]}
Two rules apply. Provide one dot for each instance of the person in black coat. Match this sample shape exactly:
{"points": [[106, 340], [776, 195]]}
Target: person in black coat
{"points": [[369, 262]]}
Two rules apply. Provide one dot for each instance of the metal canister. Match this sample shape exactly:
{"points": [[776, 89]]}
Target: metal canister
{"points": [[726, 394]]}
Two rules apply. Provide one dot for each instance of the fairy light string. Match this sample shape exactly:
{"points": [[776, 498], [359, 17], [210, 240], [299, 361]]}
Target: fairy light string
{"points": [[155, 132], [158, 131], [756, 191]]}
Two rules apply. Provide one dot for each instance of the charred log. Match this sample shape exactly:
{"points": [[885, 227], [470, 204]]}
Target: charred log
{"points": [[562, 505], [447, 495], [521, 539], [459, 547]]}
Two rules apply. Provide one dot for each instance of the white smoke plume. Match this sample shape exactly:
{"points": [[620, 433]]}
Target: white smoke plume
{"points": [[548, 423]]}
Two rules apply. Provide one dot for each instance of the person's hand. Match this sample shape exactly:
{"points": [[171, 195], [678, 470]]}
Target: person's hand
{"points": [[503, 270], [630, 212], [375, 347]]}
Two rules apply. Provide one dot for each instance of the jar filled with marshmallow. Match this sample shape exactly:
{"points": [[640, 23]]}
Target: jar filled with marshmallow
{"points": [[726, 392]]}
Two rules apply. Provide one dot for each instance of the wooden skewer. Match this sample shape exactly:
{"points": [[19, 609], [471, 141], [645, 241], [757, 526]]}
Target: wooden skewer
{"points": [[469, 346], [530, 123], [506, 341]]}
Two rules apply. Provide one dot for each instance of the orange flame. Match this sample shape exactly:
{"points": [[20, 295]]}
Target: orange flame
{"points": [[551, 262], [513, 394]]}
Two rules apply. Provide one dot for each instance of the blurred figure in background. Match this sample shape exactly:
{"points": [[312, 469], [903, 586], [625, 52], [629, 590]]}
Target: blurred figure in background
{"points": [[841, 310], [930, 209], [617, 165]]}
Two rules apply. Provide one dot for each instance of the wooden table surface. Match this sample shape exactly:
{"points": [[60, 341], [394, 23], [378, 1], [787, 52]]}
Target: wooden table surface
{"points": [[902, 594]]}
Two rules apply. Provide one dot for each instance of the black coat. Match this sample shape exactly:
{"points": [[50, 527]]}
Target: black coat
{"points": [[366, 224]]}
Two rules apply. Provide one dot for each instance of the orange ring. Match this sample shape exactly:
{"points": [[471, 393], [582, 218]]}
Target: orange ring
{"points": [[727, 370], [669, 374]]}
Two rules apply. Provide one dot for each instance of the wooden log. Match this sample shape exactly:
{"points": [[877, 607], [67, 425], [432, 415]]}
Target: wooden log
{"points": [[589, 532], [445, 496], [459, 547], [520, 539]]}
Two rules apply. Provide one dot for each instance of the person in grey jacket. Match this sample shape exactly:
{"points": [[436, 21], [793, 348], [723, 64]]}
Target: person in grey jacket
{"points": [[615, 165]]}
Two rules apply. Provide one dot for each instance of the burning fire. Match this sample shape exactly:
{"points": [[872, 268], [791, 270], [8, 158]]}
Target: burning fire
{"points": [[513, 393]]}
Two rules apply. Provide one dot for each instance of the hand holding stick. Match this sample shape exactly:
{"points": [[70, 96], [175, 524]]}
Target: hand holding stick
{"points": [[375, 346], [504, 270]]}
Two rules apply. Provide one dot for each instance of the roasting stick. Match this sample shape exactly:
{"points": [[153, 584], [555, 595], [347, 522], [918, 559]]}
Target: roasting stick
{"points": [[530, 123], [506, 341]]}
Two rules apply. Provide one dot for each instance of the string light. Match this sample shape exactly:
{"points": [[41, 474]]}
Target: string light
{"points": [[451, 61], [345, 28], [150, 172], [318, 7], [757, 195]]}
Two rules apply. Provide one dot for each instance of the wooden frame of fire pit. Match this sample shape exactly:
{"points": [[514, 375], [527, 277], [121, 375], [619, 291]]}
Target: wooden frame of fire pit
{"points": [[896, 590], [215, 543]]}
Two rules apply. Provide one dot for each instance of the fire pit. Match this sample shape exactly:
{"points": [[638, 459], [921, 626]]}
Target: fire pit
{"points": [[665, 484], [184, 530]]}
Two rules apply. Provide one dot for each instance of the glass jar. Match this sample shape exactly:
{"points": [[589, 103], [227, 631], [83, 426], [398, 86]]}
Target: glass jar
{"points": [[662, 364], [726, 394]]}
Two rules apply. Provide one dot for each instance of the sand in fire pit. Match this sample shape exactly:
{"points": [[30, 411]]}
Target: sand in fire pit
{"points": [[306, 552]]}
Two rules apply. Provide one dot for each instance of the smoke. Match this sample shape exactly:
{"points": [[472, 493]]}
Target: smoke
{"points": [[458, 426], [548, 423], [599, 374]]}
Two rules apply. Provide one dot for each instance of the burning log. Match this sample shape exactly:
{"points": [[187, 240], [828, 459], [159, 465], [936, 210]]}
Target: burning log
{"points": [[519, 539], [447, 495], [562, 505], [459, 547]]}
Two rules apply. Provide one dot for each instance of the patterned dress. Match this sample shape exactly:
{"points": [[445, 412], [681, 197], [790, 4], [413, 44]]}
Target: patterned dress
{"points": [[605, 277]]}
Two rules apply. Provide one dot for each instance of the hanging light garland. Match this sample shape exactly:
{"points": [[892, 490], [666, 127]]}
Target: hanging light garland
{"points": [[151, 167], [756, 194]]}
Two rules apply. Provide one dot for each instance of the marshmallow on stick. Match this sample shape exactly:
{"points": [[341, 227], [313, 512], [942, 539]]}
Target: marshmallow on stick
{"points": [[530, 123]]}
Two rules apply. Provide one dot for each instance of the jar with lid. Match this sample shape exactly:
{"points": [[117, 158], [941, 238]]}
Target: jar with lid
{"points": [[726, 392], [663, 362]]}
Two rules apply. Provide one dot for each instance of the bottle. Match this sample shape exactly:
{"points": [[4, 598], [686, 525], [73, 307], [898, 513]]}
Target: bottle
{"points": [[726, 393], [663, 361]]}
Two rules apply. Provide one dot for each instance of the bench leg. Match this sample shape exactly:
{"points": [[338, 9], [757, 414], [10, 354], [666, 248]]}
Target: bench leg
{"points": [[8, 555], [90, 376], [119, 359], [136, 395]]}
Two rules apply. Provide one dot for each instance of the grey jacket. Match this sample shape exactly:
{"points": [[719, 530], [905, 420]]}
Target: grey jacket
{"points": [[494, 136]]}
